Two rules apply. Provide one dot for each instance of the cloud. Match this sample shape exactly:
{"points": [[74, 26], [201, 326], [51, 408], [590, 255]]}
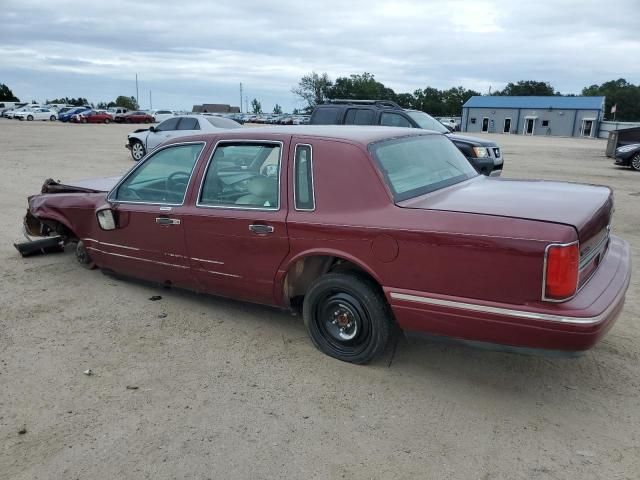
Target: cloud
{"points": [[186, 51]]}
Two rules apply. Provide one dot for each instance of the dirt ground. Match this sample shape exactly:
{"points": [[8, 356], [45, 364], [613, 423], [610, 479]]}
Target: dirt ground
{"points": [[232, 390]]}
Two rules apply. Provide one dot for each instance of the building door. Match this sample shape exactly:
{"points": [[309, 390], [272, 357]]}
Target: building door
{"points": [[587, 128], [507, 126], [485, 124], [529, 126]]}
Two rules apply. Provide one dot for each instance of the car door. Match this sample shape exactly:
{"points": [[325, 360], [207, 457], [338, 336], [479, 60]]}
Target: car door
{"points": [[236, 233], [162, 133], [148, 205]]}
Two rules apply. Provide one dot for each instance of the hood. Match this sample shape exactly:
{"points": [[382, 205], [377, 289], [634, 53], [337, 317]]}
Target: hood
{"points": [[587, 208], [90, 185], [471, 140]]}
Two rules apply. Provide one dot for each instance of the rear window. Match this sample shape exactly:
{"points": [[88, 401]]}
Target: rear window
{"points": [[413, 166], [221, 122], [326, 116]]}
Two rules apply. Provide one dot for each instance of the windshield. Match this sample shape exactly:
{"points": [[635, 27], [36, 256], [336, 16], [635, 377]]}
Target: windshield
{"points": [[413, 166], [427, 121]]}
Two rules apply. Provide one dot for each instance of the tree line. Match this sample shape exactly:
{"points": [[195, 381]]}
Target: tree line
{"points": [[315, 88]]}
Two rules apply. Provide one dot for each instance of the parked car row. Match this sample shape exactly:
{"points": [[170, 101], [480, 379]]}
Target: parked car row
{"points": [[274, 119]]}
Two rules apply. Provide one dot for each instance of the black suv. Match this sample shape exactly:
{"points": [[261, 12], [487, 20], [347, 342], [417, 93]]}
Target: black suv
{"points": [[484, 156]]}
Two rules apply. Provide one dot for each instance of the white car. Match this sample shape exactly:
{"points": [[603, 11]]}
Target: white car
{"points": [[144, 140], [36, 114], [15, 111], [162, 115]]}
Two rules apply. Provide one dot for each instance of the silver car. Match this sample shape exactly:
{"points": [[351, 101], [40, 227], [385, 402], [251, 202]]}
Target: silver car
{"points": [[146, 140]]}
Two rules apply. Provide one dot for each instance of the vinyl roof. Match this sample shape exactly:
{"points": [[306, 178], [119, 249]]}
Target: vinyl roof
{"points": [[558, 102]]}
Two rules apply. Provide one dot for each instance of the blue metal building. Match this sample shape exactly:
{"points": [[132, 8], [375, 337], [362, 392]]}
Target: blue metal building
{"points": [[552, 115]]}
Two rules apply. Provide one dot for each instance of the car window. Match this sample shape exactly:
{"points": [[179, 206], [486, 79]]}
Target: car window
{"points": [[326, 116], [393, 120], [188, 123], [414, 166], [162, 178], [220, 122], [162, 112], [243, 176], [359, 116], [168, 125], [303, 179]]}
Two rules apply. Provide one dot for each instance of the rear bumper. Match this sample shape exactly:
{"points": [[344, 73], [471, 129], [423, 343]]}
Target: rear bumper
{"points": [[572, 326]]}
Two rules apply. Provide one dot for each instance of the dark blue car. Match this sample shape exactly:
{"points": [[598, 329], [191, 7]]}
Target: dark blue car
{"points": [[66, 116]]}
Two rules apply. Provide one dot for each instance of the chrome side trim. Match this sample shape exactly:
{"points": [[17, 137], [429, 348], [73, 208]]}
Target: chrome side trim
{"points": [[109, 244], [239, 207], [220, 273], [217, 262], [114, 190], [474, 307], [137, 258], [295, 172]]}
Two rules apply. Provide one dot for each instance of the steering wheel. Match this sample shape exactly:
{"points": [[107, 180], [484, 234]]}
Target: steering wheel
{"points": [[177, 178]]}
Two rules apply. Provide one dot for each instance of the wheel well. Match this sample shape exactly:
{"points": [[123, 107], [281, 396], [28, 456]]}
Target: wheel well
{"points": [[306, 270]]}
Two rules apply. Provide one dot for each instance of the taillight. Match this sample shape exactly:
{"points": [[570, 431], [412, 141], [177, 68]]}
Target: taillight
{"points": [[561, 271]]}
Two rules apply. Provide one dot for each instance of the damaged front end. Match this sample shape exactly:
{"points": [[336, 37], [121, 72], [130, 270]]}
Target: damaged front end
{"points": [[41, 238], [48, 235]]}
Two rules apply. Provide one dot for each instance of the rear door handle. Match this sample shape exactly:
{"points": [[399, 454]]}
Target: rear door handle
{"points": [[261, 228], [167, 221]]}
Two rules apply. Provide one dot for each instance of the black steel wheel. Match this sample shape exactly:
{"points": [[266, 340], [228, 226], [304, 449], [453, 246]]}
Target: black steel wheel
{"points": [[83, 257], [635, 162], [347, 317]]}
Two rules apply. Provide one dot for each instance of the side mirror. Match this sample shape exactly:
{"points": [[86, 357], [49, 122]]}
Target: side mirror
{"points": [[152, 129], [106, 219]]}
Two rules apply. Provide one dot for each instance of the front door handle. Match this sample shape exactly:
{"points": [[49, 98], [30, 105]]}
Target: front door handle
{"points": [[261, 228], [167, 221]]}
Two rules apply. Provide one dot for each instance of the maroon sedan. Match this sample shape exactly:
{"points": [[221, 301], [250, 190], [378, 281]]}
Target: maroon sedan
{"points": [[93, 117], [134, 117], [361, 228]]}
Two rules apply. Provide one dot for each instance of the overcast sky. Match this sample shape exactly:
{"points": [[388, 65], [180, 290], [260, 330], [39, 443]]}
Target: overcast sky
{"points": [[193, 52]]}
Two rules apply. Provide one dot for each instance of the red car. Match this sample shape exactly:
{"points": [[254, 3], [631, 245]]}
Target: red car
{"points": [[134, 117], [92, 117], [362, 229]]}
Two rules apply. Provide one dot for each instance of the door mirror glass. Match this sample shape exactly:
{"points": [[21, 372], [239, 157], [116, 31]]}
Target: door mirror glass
{"points": [[152, 129], [106, 219]]}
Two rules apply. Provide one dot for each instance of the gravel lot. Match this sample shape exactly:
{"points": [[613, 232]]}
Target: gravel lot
{"points": [[232, 390]]}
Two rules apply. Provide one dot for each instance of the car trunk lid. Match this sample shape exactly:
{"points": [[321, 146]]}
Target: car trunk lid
{"points": [[587, 208]]}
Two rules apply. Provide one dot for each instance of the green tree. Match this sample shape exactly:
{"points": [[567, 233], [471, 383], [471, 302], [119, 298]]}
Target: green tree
{"points": [[625, 95], [6, 94], [454, 98], [313, 88], [296, 111], [127, 102], [256, 106], [277, 109], [527, 88], [430, 100], [76, 102], [360, 87]]}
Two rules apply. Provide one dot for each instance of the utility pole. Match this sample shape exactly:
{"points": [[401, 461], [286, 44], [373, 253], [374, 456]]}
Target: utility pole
{"points": [[240, 97]]}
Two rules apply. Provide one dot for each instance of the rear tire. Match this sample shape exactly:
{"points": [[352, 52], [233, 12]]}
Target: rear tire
{"points": [[52, 118], [30, 118], [83, 257], [635, 162], [106, 121], [347, 317], [137, 150]]}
